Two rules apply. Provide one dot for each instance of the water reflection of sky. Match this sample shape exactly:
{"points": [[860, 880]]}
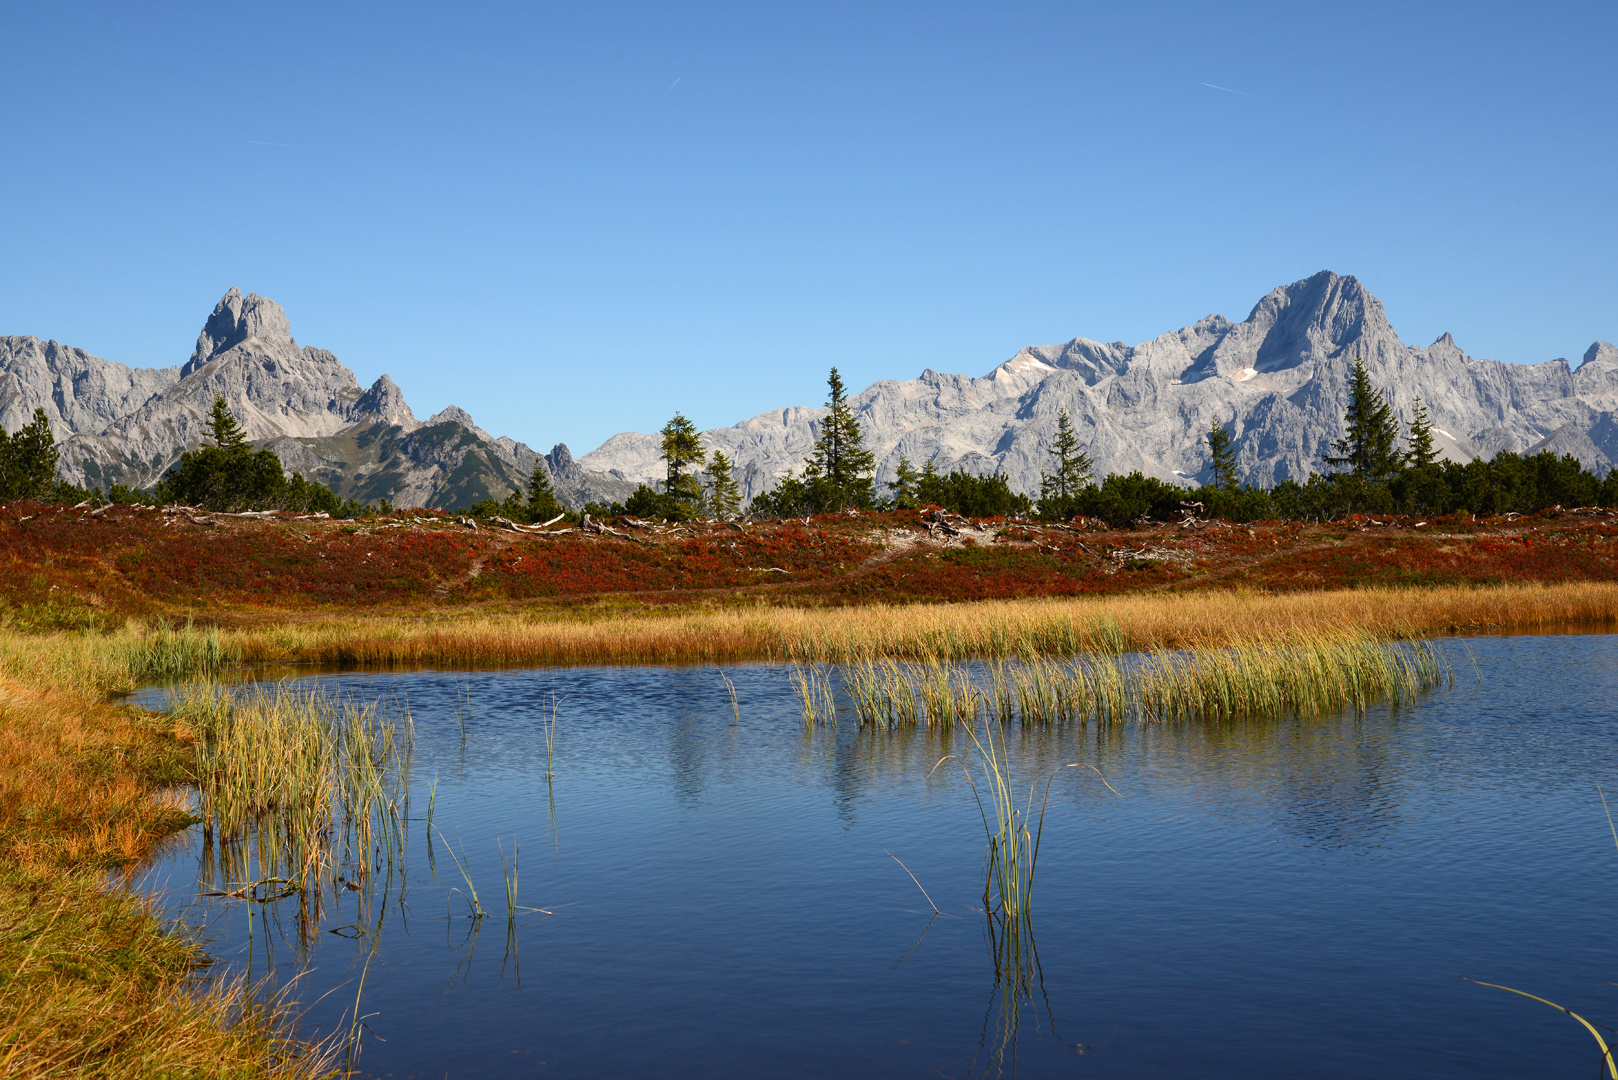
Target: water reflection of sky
{"points": [[1287, 899]]}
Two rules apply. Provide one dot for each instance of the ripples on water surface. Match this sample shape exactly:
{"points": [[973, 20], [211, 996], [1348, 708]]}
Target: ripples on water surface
{"points": [[1288, 899]]}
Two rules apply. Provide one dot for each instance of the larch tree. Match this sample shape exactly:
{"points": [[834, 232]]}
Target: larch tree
{"points": [[1420, 452], [28, 460], [724, 496], [1222, 457], [222, 425], [839, 470], [903, 486], [683, 453], [542, 505]]}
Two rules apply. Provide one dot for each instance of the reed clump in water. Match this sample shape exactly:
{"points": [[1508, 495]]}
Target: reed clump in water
{"points": [[1013, 831], [315, 782], [1309, 676], [813, 685]]}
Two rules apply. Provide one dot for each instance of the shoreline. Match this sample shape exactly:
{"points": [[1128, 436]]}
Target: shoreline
{"points": [[85, 782]]}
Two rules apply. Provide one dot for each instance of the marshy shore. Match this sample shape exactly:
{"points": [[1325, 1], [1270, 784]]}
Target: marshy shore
{"points": [[96, 985]]}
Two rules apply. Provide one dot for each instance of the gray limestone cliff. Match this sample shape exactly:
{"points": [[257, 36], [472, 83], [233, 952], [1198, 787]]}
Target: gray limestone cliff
{"points": [[116, 424], [1278, 380]]}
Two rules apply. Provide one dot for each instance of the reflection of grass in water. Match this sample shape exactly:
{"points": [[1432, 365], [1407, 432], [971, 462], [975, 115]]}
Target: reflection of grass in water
{"points": [[1017, 978], [1606, 1050]]}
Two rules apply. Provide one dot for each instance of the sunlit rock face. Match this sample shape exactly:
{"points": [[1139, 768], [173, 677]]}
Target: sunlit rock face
{"points": [[1278, 379]]}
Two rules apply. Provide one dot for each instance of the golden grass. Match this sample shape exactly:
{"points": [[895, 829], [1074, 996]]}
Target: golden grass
{"points": [[91, 665], [96, 986], [945, 631], [84, 784], [91, 981]]}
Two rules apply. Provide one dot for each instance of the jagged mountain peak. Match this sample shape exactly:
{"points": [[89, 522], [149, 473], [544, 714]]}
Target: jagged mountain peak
{"points": [[129, 426], [1278, 380], [453, 414], [237, 319], [1600, 354], [384, 401]]}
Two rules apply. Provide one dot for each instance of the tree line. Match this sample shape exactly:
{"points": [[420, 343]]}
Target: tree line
{"points": [[1381, 466], [228, 476]]}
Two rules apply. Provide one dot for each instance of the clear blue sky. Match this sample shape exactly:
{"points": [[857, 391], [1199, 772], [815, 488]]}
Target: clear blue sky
{"points": [[574, 219]]}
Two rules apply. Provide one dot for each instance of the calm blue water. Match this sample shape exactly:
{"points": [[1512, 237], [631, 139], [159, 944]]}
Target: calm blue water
{"points": [[1291, 899]]}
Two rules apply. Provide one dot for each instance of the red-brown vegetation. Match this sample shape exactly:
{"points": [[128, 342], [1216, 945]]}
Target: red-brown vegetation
{"points": [[67, 566]]}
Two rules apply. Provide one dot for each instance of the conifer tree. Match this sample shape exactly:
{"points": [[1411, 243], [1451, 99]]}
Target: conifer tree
{"points": [[724, 497], [682, 450], [28, 460], [840, 463], [222, 425], [1421, 453], [1370, 445], [542, 501], [904, 485], [1222, 457], [1059, 490]]}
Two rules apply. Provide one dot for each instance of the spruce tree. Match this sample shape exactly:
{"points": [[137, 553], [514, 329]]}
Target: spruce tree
{"points": [[1222, 457], [840, 462], [929, 485], [222, 425], [682, 450], [1059, 490], [1421, 453], [904, 486], [724, 497], [542, 501], [28, 460], [1370, 445]]}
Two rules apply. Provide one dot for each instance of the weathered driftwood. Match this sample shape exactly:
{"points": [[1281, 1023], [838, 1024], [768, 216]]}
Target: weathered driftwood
{"points": [[507, 523]]}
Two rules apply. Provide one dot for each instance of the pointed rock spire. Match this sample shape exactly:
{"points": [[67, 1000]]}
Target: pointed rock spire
{"points": [[235, 319]]}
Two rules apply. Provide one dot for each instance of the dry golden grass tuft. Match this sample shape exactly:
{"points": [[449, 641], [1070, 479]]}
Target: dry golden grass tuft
{"points": [[944, 631], [94, 984]]}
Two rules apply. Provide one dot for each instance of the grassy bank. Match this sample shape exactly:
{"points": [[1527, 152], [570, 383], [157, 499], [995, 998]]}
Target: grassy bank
{"points": [[94, 983], [943, 631]]}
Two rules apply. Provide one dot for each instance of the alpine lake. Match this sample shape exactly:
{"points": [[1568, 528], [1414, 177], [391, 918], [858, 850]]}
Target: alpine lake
{"points": [[662, 871]]}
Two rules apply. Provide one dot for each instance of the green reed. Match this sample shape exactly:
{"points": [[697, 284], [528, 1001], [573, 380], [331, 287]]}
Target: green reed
{"points": [[735, 706], [170, 652], [1265, 679], [1013, 831], [317, 784], [813, 685]]}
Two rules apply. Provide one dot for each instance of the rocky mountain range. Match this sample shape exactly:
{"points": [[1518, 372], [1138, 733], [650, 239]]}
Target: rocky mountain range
{"points": [[1278, 380], [116, 424]]}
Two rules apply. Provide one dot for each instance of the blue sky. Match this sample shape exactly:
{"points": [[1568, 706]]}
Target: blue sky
{"points": [[574, 219]]}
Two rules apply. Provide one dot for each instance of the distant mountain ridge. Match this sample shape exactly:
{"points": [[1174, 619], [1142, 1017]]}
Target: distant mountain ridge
{"points": [[117, 424], [1278, 380]]}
